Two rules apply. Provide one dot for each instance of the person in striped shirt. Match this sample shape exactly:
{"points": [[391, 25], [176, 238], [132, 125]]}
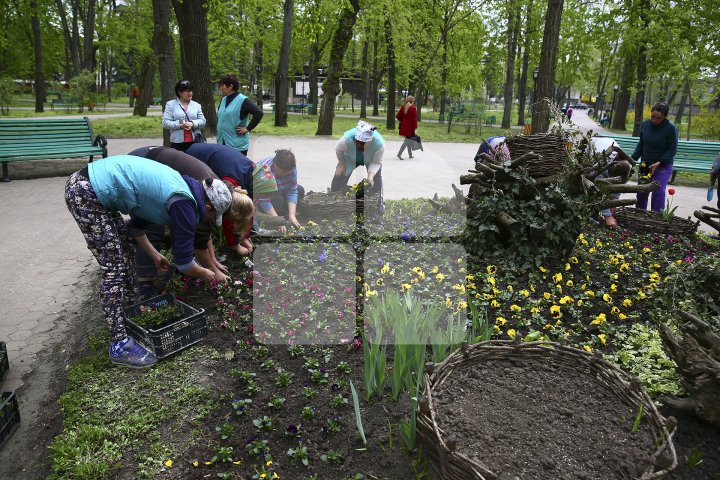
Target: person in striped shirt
{"points": [[284, 200]]}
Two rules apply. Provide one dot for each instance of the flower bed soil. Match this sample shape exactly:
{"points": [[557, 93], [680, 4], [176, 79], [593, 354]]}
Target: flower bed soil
{"points": [[538, 420]]}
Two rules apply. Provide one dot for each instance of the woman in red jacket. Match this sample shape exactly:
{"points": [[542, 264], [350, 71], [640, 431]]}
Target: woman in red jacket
{"points": [[407, 115]]}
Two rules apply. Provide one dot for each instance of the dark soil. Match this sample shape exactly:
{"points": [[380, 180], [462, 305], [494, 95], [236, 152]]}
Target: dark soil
{"points": [[538, 420]]}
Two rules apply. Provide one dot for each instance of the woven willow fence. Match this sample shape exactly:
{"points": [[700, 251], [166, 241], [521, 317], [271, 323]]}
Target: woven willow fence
{"points": [[318, 205], [646, 221], [551, 147], [450, 464]]}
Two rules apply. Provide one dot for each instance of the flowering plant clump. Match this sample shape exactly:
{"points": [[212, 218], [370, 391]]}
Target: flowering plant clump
{"points": [[668, 212]]}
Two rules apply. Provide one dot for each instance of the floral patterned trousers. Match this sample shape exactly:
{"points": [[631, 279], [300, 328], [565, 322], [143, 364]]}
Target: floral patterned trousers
{"points": [[107, 238]]}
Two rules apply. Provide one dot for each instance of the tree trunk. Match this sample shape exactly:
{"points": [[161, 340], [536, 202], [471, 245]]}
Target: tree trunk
{"points": [[548, 61], [522, 86], [88, 58], [623, 96], [512, 39], [195, 59], [390, 47], [281, 75], [40, 90], [375, 80], [75, 44], [641, 84], [683, 101], [314, 62], [71, 68], [165, 52], [341, 39], [443, 73], [145, 87], [259, 72], [364, 80]]}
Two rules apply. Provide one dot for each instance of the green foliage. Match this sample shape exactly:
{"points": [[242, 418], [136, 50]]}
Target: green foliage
{"points": [[641, 353], [358, 415], [708, 124], [151, 317]]}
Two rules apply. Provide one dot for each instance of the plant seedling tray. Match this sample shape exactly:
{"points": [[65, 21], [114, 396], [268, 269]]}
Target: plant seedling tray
{"points": [[4, 362], [172, 337], [9, 416]]}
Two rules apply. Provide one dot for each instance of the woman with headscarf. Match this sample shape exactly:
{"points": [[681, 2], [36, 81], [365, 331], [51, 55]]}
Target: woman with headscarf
{"points": [[362, 145]]}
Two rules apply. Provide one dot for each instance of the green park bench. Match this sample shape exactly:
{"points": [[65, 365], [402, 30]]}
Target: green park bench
{"points": [[468, 113], [67, 103], [47, 139], [691, 156]]}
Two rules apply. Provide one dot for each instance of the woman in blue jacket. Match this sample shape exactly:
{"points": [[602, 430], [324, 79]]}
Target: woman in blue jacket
{"points": [[150, 193], [183, 117]]}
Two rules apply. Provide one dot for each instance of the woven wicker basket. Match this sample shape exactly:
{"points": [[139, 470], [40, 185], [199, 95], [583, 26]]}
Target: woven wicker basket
{"points": [[449, 464], [317, 205], [646, 221], [550, 146]]}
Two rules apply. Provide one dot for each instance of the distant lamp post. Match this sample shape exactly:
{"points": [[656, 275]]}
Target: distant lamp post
{"points": [[612, 105], [535, 75], [303, 85]]}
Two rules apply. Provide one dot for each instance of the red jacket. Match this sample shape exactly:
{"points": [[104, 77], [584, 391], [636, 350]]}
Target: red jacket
{"points": [[408, 121]]}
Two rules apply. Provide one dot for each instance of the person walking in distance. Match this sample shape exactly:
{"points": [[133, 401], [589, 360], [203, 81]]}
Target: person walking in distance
{"points": [[407, 116]]}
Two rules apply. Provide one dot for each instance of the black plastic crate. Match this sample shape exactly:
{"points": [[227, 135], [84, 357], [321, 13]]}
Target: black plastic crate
{"points": [[168, 339], [9, 415], [4, 362]]}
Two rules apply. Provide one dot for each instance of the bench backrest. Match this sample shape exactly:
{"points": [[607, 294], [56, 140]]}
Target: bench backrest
{"points": [[20, 134], [693, 154]]}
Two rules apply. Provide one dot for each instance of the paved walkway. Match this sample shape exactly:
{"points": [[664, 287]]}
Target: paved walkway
{"points": [[45, 257]]}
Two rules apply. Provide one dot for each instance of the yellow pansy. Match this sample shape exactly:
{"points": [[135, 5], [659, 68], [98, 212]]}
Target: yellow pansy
{"points": [[500, 321], [405, 287], [496, 329], [487, 296], [567, 267], [268, 463], [495, 304], [491, 269], [573, 260], [471, 286], [569, 283], [435, 270], [440, 277], [515, 308], [607, 298], [462, 270], [459, 287], [589, 293], [414, 281], [580, 303], [371, 293], [237, 462], [542, 269], [558, 288], [511, 333], [524, 293], [614, 310], [546, 295], [555, 311], [379, 282], [366, 287], [311, 223], [587, 348], [592, 250], [557, 277], [385, 269], [358, 278], [510, 288], [548, 326], [534, 310], [491, 280], [566, 299], [646, 250], [469, 277], [622, 316], [602, 338], [448, 302], [613, 288], [462, 305], [195, 463], [168, 463], [624, 267], [627, 303], [599, 320]]}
